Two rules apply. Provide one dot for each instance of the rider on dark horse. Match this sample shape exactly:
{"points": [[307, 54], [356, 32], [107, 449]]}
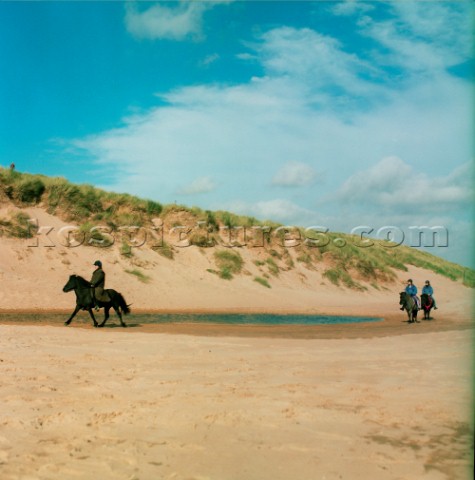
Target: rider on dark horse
{"points": [[98, 281], [411, 290], [428, 290]]}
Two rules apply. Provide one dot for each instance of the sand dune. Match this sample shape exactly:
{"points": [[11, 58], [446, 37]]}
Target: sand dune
{"points": [[32, 278]]}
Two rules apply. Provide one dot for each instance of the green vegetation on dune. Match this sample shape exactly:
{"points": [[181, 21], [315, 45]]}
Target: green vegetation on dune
{"points": [[139, 275], [16, 226], [339, 257], [421, 259], [228, 262], [339, 275], [126, 250], [79, 203], [272, 266], [262, 281], [165, 250]]}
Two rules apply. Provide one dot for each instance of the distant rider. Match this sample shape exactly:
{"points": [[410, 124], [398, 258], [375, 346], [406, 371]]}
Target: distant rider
{"points": [[98, 281], [428, 290], [411, 290]]}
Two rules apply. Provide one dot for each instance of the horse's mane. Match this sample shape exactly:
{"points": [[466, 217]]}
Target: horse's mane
{"points": [[82, 281]]}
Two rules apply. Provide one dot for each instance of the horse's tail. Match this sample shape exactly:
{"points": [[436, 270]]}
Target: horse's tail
{"points": [[123, 304]]}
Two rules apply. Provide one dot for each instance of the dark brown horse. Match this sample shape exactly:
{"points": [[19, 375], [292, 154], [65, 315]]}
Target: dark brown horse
{"points": [[427, 303], [84, 301], [409, 305]]}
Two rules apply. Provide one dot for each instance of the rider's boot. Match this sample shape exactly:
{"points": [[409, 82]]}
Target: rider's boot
{"points": [[95, 304]]}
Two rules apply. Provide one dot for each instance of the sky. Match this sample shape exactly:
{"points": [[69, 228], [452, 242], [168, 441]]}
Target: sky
{"points": [[335, 114]]}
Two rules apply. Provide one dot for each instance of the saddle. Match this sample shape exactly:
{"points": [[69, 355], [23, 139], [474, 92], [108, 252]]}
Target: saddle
{"points": [[100, 295], [418, 301]]}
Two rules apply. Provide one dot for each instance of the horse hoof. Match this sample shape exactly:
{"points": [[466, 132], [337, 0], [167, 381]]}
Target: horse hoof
{"points": [[66, 323]]}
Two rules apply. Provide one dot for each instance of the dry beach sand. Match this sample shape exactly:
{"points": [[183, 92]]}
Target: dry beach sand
{"points": [[380, 401], [84, 403]]}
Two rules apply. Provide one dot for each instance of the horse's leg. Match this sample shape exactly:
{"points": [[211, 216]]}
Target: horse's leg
{"points": [[414, 313], [431, 307], [106, 316], [93, 317], [428, 308], [117, 310], [76, 310]]}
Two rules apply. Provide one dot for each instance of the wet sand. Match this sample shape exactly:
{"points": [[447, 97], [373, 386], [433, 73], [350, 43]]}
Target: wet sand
{"points": [[391, 324]]}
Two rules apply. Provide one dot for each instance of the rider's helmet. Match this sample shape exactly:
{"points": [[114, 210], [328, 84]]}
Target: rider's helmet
{"points": [[98, 263]]}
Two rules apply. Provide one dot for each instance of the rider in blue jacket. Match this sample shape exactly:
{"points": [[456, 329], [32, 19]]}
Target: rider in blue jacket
{"points": [[411, 290], [427, 289]]}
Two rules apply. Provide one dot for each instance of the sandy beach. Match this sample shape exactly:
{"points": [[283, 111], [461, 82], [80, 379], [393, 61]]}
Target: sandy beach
{"points": [[384, 400], [123, 404]]}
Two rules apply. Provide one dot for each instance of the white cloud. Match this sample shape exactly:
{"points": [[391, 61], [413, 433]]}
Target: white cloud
{"points": [[277, 210], [209, 59], [394, 185], [319, 64], [420, 39], [183, 20], [443, 26], [246, 56], [197, 186], [351, 7], [231, 131], [295, 174]]}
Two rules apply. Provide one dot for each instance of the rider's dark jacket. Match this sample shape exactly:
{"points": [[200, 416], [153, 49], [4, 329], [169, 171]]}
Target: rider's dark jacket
{"points": [[98, 281], [98, 278]]}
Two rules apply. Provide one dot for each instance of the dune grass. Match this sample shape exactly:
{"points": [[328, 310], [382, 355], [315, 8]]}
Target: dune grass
{"points": [[139, 275], [88, 207], [228, 263], [262, 281], [272, 266], [126, 249], [16, 225]]}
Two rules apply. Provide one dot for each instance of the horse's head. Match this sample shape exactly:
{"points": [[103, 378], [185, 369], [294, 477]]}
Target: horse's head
{"points": [[402, 298], [71, 284]]}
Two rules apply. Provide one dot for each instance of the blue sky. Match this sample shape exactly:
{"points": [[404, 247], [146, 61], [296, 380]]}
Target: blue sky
{"points": [[330, 113]]}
